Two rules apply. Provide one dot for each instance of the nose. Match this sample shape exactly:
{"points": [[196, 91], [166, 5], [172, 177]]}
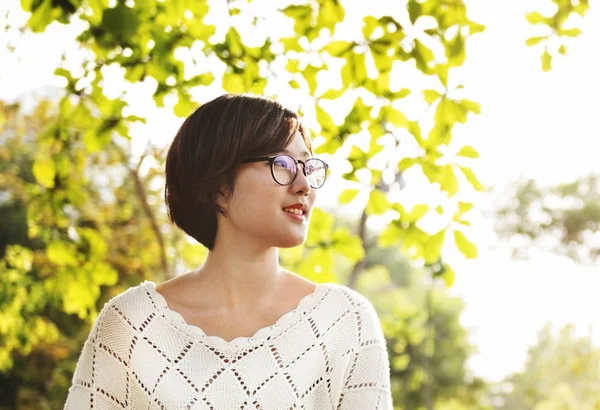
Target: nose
{"points": [[301, 184]]}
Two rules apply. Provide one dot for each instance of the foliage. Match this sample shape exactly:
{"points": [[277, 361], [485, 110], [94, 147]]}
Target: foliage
{"points": [[50, 289], [563, 219], [558, 32], [561, 373], [428, 346]]}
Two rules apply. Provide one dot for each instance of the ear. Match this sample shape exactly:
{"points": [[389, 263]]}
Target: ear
{"points": [[223, 198]]}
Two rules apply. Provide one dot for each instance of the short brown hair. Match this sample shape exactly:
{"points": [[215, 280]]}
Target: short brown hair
{"points": [[209, 148]]}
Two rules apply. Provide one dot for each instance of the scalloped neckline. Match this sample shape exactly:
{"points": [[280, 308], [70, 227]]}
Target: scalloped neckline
{"points": [[284, 321]]}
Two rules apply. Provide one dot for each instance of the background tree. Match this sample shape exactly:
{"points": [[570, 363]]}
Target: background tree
{"points": [[563, 219], [561, 372]]}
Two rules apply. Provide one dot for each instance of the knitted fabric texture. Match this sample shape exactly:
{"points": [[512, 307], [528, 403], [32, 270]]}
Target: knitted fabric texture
{"points": [[328, 353]]}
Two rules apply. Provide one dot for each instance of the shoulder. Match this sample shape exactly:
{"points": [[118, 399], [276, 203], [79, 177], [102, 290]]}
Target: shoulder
{"points": [[125, 313], [352, 299], [365, 317]]}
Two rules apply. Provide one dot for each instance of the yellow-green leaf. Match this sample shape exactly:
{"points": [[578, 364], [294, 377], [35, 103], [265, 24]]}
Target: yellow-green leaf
{"points": [[468, 151], [464, 206], [44, 171], [546, 61], [338, 48], [416, 213], [536, 18], [569, 32], [348, 195], [62, 253], [433, 247], [431, 96], [532, 41], [466, 247], [378, 203], [470, 175], [448, 276]]}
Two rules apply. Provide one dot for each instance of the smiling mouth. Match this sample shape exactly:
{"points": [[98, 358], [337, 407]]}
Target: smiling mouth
{"points": [[294, 211]]}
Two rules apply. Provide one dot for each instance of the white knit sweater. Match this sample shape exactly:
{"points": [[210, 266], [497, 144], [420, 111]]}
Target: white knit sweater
{"points": [[328, 353]]}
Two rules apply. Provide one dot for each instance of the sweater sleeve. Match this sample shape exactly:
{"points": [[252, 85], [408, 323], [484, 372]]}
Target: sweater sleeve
{"points": [[366, 383], [101, 378]]}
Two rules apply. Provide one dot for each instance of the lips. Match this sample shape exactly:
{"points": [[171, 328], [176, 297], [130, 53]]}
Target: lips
{"points": [[299, 206]]}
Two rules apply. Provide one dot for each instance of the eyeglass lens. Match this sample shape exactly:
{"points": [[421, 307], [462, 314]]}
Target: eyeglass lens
{"points": [[285, 169]]}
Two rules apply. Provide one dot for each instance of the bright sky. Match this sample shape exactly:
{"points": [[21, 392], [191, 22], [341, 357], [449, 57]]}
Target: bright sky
{"points": [[541, 125]]}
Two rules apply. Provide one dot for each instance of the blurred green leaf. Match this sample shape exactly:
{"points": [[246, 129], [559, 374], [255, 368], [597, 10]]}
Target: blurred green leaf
{"points": [[466, 247]]}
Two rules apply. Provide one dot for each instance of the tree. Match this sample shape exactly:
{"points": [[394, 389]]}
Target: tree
{"points": [[561, 372], [46, 315], [557, 28], [563, 219]]}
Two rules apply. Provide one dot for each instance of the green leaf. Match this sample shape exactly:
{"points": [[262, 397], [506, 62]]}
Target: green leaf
{"points": [[233, 83], [464, 207], [378, 203], [466, 247], [390, 236], [41, 16], [456, 51], [404, 92], [338, 48], [331, 13], [234, 42], [468, 151], [448, 181], [310, 75], [291, 44], [535, 17], [395, 116], [302, 16], [433, 247], [441, 70], [184, 105], [332, 94], [347, 244], [406, 163], [475, 28], [370, 24], [472, 106], [324, 120], [348, 195], [532, 41], [121, 22], [97, 7], [354, 69], [431, 96], [416, 213], [546, 61], [562, 49], [44, 171], [62, 253], [321, 227], [383, 62], [414, 10], [470, 175], [448, 276], [570, 32]]}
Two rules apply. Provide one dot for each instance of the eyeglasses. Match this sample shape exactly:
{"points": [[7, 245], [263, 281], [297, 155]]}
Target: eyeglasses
{"points": [[284, 169]]}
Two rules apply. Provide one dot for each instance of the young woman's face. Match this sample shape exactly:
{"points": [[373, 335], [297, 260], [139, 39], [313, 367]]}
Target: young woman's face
{"points": [[258, 208]]}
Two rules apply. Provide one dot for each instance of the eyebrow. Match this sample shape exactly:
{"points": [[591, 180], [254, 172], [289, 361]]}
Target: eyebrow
{"points": [[304, 154]]}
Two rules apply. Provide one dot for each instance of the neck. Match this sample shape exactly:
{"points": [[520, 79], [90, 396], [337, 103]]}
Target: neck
{"points": [[239, 274]]}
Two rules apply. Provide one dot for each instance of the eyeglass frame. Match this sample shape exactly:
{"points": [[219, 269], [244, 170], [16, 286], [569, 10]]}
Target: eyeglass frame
{"points": [[271, 160]]}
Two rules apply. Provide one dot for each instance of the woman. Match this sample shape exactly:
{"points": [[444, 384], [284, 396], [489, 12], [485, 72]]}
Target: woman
{"points": [[239, 332]]}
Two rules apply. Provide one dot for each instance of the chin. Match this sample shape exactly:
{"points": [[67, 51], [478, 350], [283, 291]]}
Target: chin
{"points": [[290, 241]]}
